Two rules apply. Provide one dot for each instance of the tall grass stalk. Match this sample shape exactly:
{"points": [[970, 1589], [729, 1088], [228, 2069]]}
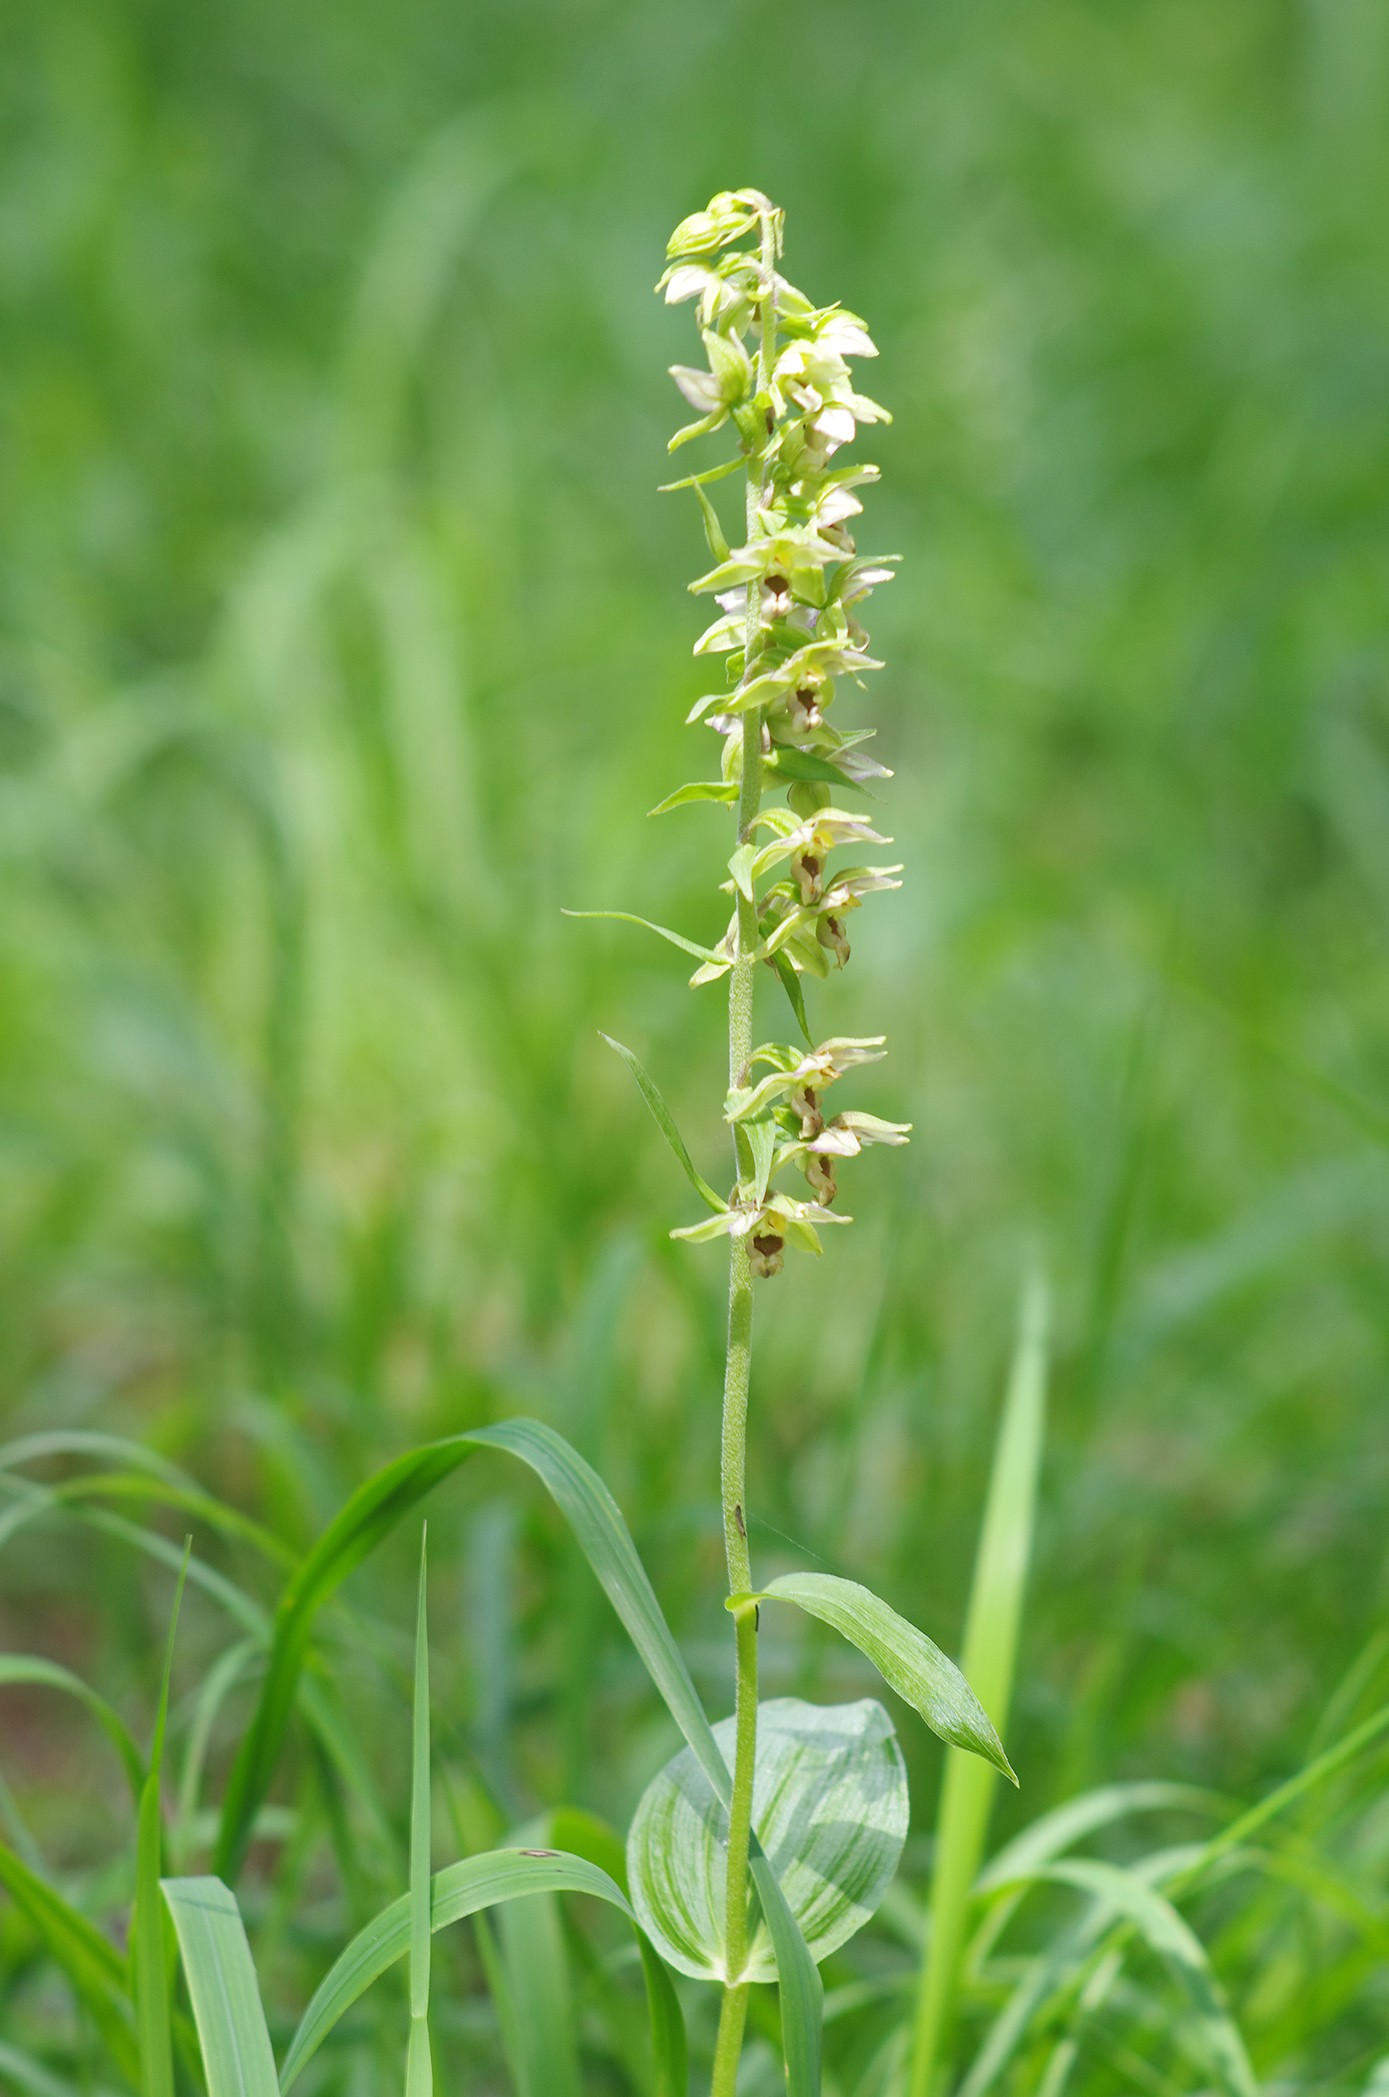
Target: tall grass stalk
{"points": [[989, 1657]]}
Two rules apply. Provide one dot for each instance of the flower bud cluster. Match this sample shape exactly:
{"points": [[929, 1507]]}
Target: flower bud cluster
{"points": [[789, 629]]}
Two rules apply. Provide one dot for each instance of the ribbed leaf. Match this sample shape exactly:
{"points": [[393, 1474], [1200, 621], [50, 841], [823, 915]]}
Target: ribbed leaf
{"points": [[829, 1809], [904, 1657], [227, 2009], [462, 1889]]}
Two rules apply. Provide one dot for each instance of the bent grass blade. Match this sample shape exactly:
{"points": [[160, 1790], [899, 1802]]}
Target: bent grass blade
{"points": [[461, 1889]]}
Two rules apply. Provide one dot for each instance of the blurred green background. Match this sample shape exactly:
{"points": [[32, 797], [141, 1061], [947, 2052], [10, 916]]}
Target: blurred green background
{"points": [[343, 641]]}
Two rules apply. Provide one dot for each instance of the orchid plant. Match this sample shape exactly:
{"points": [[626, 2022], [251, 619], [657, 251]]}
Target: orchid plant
{"points": [[822, 1792], [775, 1833]]}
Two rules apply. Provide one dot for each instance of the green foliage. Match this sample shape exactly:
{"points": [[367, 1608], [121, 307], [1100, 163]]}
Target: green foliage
{"points": [[336, 652], [829, 1809]]}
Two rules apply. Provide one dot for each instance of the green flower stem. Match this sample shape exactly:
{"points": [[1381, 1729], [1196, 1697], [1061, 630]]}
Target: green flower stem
{"points": [[738, 1366], [730, 2041]]}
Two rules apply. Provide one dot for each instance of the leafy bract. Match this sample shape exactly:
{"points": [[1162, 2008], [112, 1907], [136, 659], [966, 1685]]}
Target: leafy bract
{"points": [[904, 1657], [829, 1809], [665, 1122]]}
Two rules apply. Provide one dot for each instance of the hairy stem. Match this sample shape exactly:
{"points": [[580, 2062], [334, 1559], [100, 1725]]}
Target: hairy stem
{"points": [[730, 2041], [738, 1367]]}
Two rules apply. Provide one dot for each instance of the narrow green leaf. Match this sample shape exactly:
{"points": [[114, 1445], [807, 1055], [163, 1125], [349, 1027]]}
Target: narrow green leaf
{"points": [[150, 1972], [990, 1649], [462, 1889], [31, 2075], [725, 790], [665, 1122], [1054, 1832], [904, 1657], [420, 1831], [625, 917], [370, 1514], [49, 1674], [419, 2072], [791, 984], [829, 1808], [710, 473], [603, 1537], [544, 2048], [91, 1962], [1164, 1930], [222, 1985]]}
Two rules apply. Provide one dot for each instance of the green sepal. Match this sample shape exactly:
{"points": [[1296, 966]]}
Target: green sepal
{"points": [[740, 866], [792, 763]]}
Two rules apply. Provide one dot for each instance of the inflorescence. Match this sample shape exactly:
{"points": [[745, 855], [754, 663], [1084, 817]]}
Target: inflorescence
{"points": [[793, 406]]}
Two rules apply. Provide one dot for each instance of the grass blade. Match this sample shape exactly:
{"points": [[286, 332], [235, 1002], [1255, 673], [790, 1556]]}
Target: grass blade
{"points": [[904, 1657], [149, 1964], [91, 1962], [227, 2008], [30, 2074], [49, 1674], [585, 1835], [990, 1650], [462, 1889], [356, 1530], [1167, 1934], [419, 2073], [666, 1124], [545, 2056]]}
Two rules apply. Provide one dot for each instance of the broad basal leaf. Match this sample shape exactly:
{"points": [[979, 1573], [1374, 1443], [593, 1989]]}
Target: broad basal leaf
{"points": [[829, 1809]]}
